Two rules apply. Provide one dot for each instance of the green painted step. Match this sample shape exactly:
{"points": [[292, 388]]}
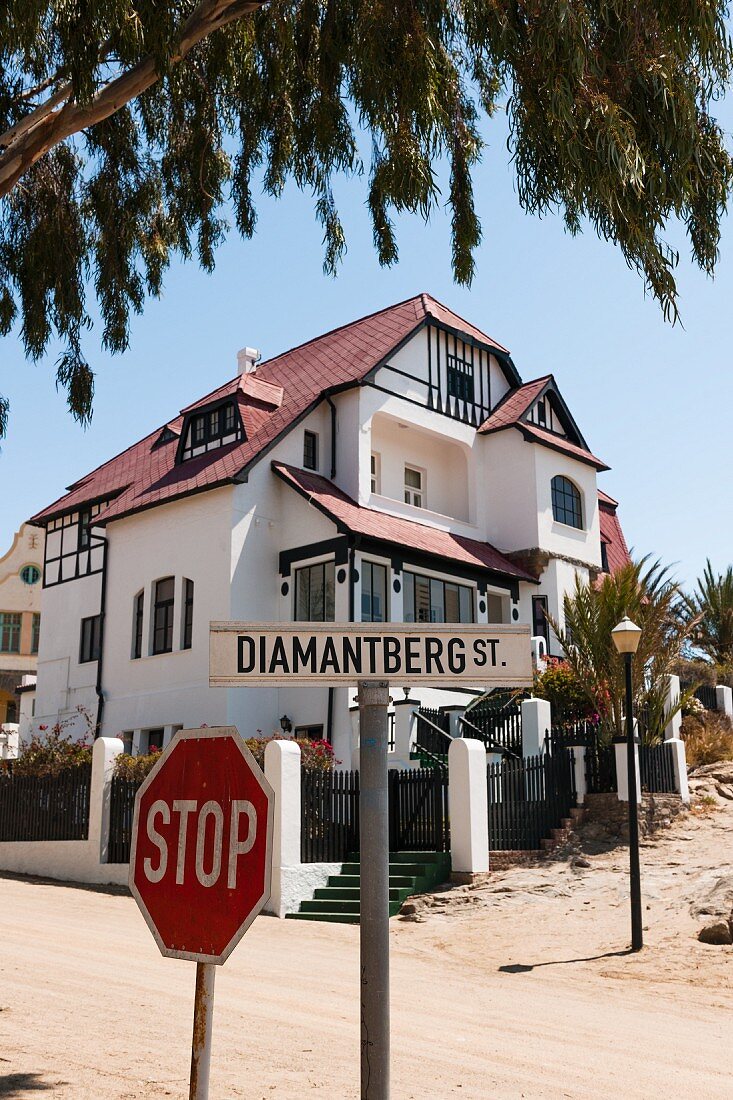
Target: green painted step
{"points": [[409, 873]]}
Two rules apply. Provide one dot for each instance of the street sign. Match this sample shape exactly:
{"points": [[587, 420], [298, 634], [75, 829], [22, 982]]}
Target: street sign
{"points": [[327, 654], [200, 863]]}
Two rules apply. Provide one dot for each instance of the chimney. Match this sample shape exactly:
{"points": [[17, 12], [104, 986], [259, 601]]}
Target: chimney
{"points": [[247, 360]]}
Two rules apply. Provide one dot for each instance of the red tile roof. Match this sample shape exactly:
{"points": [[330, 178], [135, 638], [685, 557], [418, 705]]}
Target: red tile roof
{"points": [[611, 533], [514, 405], [395, 530], [142, 477], [559, 443]]}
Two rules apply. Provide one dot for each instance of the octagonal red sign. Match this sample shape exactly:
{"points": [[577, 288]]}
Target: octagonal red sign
{"points": [[201, 856]]}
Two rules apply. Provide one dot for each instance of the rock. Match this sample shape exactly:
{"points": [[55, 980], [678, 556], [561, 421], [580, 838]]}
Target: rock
{"points": [[716, 933], [580, 861], [717, 901]]}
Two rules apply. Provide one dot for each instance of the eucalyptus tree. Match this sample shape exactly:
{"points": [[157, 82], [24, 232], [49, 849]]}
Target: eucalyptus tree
{"points": [[645, 592], [129, 129]]}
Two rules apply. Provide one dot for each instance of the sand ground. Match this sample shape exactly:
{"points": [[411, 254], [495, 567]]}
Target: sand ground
{"points": [[519, 988]]}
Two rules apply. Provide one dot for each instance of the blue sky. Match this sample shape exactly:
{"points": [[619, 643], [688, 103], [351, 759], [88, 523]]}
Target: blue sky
{"points": [[653, 401]]}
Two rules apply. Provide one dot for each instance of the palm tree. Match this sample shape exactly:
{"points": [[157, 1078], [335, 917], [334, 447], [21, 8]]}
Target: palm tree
{"points": [[648, 595], [711, 606]]}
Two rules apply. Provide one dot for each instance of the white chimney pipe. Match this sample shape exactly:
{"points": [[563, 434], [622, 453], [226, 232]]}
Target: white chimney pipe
{"points": [[247, 360]]}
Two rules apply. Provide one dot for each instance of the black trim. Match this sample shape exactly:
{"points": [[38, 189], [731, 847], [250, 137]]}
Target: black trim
{"points": [[337, 546], [529, 438], [332, 407], [100, 661], [205, 411]]}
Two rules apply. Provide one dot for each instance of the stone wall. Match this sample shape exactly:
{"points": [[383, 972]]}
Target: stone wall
{"points": [[606, 816]]}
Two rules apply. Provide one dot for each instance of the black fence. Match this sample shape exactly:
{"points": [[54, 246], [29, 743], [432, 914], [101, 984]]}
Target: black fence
{"points": [[600, 768], [707, 696], [418, 813], [580, 732], [528, 799], [46, 807], [499, 729], [121, 809], [657, 768], [433, 731], [329, 809]]}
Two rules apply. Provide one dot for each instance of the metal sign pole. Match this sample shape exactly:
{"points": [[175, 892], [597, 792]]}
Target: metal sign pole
{"points": [[374, 889], [203, 1012]]}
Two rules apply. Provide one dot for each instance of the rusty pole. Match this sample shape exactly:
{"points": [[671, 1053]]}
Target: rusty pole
{"points": [[203, 1012]]}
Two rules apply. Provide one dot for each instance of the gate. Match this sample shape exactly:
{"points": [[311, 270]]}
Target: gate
{"points": [[657, 768], [528, 799], [418, 811]]}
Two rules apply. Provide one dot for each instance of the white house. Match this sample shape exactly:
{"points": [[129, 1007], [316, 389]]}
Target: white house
{"points": [[394, 469]]}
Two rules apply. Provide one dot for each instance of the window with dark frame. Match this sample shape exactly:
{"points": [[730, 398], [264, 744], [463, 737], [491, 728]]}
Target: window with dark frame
{"points": [[566, 502], [89, 647], [430, 600], [540, 625], [187, 614], [373, 592], [163, 615], [604, 557], [85, 521], [211, 428], [312, 733], [460, 379], [35, 632], [138, 611], [310, 450], [315, 593], [155, 738], [541, 413], [10, 622]]}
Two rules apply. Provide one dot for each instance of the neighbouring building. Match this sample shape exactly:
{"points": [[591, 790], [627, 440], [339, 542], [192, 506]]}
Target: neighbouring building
{"points": [[21, 571], [394, 469]]}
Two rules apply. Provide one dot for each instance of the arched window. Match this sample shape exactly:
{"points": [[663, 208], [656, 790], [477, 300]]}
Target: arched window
{"points": [[566, 503]]}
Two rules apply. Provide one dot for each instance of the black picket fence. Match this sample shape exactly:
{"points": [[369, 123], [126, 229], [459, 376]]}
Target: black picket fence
{"points": [[528, 799], [565, 735], [656, 764], [500, 730], [600, 768], [46, 807], [432, 734], [121, 809], [418, 813]]}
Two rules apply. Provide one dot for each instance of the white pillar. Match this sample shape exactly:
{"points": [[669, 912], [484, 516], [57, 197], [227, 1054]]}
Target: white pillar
{"points": [[536, 724], [468, 806], [104, 752], [622, 772], [354, 716], [581, 785], [454, 717], [724, 700], [672, 698], [404, 726], [679, 759], [282, 771]]}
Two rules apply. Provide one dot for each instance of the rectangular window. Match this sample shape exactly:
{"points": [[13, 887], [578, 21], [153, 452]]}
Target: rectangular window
{"points": [[495, 608], [313, 733], [163, 615], [540, 625], [460, 378], [373, 592], [310, 450], [35, 632], [137, 625], [155, 739], [414, 486], [90, 637], [187, 614], [604, 557], [10, 632], [208, 430], [85, 520], [428, 600], [376, 473], [314, 593], [541, 413]]}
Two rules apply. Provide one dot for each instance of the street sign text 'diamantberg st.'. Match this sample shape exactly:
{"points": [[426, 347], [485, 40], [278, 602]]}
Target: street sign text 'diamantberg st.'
{"points": [[342, 653]]}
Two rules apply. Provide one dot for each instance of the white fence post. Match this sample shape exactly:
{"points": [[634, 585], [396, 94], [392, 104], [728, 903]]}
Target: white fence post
{"points": [[622, 771], [581, 784], [104, 752], [282, 770], [724, 700], [536, 725], [672, 729], [468, 806], [454, 717], [679, 759], [404, 726]]}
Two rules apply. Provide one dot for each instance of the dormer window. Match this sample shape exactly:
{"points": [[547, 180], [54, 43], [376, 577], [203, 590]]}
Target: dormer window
{"points": [[460, 378], [211, 428]]}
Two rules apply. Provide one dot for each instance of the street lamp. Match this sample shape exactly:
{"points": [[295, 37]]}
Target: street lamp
{"points": [[626, 639]]}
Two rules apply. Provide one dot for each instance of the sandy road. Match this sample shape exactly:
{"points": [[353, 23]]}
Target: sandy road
{"points": [[514, 990]]}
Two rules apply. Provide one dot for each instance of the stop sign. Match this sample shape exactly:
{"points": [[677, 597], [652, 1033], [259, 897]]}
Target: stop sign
{"points": [[201, 855]]}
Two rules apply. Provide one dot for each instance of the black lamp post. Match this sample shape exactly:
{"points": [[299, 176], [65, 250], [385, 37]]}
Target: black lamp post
{"points": [[626, 639]]}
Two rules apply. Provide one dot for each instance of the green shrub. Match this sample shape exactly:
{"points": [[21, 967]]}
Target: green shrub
{"points": [[561, 687], [51, 751], [314, 756], [132, 767]]}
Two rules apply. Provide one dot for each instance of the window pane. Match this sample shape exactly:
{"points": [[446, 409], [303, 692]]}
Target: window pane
{"points": [[422, 600], [452, 606], [466, 597], [302, 595], [413, 478], [164, 589], [437, 608], [379, 594], [330, 596], [408, 586], [495, 608]]}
